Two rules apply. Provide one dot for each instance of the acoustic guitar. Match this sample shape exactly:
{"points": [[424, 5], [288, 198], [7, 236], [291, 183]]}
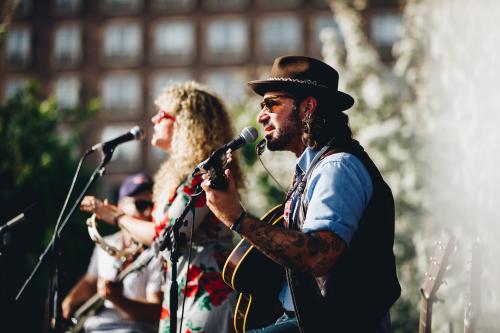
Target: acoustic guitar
{"points": [[95, 303], [433, 279], [257, 278]]}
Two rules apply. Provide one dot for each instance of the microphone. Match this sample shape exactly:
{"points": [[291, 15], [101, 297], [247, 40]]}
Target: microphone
{"points": [[136, 133], [18, 219], [247, 135]]}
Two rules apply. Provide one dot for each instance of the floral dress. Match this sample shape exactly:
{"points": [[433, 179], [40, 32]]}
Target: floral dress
{"points": [[210, 303]]}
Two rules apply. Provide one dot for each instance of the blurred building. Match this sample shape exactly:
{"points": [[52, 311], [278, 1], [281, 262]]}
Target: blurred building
{"points": [[124, 51]]}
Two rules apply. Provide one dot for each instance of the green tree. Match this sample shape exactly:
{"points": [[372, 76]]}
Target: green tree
{"points": [[383, 121], [37, 166]]}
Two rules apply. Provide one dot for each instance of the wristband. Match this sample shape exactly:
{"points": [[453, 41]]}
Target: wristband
{"points": [[238, 223], [117, 217]]}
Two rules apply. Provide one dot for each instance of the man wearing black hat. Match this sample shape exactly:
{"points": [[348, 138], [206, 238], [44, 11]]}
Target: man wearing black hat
{"points": [[134, 304], [339, 214]]}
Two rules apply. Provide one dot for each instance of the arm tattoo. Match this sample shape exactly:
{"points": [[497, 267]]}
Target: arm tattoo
{"points": [[314, 253]]}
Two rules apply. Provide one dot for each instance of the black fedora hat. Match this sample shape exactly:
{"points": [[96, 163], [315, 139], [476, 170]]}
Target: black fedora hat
{"points": [[304, 75]]}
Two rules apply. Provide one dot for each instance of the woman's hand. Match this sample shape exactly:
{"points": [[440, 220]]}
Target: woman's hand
{"points": [[102, 209]]}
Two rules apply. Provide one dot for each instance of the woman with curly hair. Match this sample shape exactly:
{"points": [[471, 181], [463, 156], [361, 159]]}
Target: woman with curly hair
{"points": [[190, 124]]}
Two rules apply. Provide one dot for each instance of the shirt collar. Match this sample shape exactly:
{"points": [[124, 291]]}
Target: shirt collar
{"points": [[305, 160]]}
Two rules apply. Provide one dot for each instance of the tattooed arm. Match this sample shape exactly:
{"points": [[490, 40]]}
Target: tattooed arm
{"points": [[314, 252]]}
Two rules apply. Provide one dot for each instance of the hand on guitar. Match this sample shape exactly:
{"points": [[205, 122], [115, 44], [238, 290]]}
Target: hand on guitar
{"points": [[110, 290], [68, 307], [225, 204]]}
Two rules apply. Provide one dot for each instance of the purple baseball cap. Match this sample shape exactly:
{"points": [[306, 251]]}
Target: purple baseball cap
{"points": [[134, 184]]}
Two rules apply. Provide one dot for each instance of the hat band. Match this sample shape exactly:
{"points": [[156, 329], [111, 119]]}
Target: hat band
{"points": [[287, 79]]}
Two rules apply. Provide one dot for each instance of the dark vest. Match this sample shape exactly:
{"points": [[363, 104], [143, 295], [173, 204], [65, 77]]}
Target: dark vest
{"points": [[362, 285]]}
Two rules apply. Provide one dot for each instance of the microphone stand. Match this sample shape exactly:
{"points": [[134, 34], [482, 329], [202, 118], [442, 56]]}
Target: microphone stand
{"points": [[53, 248], [171, 239]]}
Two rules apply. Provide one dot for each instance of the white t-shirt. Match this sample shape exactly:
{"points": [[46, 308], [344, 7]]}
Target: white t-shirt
{"points": [[137, 285]]}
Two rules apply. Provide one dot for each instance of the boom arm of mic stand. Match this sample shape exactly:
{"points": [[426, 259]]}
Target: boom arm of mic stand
{"points": [[52, 246]]}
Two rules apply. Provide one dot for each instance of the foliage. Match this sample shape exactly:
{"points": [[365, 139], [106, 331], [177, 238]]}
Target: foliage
{"points": [[37, 166], [382, 121]]}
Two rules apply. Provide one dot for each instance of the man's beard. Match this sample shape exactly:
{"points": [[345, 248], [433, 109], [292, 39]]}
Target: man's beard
{"points": [[285, 135]]}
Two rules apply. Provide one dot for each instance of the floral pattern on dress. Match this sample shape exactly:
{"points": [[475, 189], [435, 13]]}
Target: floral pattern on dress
{"points": [[209, 301]]}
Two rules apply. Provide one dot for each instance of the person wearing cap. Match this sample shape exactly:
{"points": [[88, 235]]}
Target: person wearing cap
{"points": [[191, 123], [133, 305], [337, 242]]}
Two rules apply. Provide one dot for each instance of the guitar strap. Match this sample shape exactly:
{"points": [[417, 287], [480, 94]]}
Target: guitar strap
{"points": [[302, 203], [297, 223]]}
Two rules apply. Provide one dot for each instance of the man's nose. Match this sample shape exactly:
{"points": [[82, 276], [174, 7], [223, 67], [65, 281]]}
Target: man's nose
{"points": [[263, 116]]}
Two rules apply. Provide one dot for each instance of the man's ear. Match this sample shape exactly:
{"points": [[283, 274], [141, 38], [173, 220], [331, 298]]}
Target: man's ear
{"points": [[310, 103]]}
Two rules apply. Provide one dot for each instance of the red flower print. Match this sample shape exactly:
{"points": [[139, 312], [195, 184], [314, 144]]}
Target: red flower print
{"points": [[192, 285], [165, 313], [217, 290], [201, 201]]}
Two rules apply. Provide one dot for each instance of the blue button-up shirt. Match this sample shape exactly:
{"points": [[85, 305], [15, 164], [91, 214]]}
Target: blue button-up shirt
{"points": [[338, 192]]}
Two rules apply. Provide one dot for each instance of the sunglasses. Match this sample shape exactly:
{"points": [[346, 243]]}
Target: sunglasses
{"points": [[162, 114], [270, 102], [142, 205]]}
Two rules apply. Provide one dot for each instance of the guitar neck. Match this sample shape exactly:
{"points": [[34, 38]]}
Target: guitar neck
{"points": [[140, 262], [89, 304], [425, 321]]}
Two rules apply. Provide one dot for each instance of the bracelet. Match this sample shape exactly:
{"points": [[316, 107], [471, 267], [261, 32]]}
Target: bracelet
{"points": [[238, 223], [117, 217]]}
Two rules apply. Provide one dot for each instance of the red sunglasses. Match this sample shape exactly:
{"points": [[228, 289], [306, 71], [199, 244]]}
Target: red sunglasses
{"points": [[162, 114]]}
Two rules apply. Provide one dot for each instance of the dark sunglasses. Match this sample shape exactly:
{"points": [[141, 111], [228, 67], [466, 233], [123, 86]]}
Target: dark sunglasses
{"points": [[162, 114], [142, 205], [270, 102]]}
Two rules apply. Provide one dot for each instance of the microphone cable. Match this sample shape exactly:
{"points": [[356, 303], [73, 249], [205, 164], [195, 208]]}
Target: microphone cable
{"points": [[190, 250], [260, 148]]}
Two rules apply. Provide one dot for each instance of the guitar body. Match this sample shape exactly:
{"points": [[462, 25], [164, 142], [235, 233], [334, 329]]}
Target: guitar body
{"points": [[257, 278]]}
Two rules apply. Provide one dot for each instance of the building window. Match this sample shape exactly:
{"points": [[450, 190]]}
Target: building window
{"points": [[227, 40], [67, 45], [125, 158], [67, 92], [162, 80], [280, 4], [230, 84], [121, 95], [12, 86], [225, 4], [386, 29], [122, 6], [175, 5], [18, 46], [279, 35], [67, 6], [23, 9], [320, 25], [174, 42], [122, 44]]}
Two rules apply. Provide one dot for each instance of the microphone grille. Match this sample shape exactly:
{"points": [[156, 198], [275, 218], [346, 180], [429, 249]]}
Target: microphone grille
{"points": [[138, 133], [249, 134]]}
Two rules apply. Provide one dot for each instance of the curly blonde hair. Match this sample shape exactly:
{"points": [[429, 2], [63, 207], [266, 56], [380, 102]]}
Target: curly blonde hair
{"points": [[202, 125]]}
